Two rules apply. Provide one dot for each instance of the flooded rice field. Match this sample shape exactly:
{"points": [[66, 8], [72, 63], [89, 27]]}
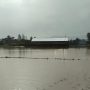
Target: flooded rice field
{"points": [[45, 69]]}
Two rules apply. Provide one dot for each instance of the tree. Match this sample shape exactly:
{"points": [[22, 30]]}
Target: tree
{"points": [[9, 38], [23, 37], [31, 38], [88, 36], [19, 37], [77, 41]]}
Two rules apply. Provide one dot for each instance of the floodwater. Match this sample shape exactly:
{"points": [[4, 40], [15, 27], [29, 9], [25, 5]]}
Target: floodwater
{"points": [[45, 69]]}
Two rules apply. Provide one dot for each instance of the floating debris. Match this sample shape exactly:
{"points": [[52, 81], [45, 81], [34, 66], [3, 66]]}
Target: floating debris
{"points": [[42, 58]]}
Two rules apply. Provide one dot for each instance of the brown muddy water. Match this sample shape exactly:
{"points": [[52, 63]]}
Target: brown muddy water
{"points": [[45, 69]]}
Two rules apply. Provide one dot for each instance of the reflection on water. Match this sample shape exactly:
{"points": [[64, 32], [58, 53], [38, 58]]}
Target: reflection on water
{"points": [[45, 69], [88, 51]]}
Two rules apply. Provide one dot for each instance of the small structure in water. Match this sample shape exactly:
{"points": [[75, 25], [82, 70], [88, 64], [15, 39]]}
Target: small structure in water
{"points": [[50, 42]]}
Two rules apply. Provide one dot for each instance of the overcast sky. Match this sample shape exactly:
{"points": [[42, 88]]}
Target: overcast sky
{"points": [[45, 18]]}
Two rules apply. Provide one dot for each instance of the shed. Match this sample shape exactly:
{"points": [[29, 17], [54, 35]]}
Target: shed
{"points": [[50, 42]]}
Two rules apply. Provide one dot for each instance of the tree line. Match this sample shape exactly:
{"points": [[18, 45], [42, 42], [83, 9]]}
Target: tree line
{"points": [[20, 41], [79, 42], [23, 41]]}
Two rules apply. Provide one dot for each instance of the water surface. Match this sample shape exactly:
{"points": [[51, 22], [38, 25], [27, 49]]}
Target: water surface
{"points": [[45, 69]]}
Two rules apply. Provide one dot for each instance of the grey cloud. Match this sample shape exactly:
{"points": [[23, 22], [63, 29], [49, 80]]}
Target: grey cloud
{"points": [[45, 17]]}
